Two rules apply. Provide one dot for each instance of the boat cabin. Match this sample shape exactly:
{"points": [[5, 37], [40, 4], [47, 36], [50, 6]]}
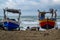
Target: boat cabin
{"points": [[42, 15]]}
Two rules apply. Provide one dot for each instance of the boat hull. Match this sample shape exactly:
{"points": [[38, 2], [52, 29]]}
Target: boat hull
{"points": [[10, 25], [47, 24]]}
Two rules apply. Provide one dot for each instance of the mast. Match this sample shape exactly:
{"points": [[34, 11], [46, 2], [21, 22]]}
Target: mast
{"points": [[19, 18], [55, 14], [4, 14]]}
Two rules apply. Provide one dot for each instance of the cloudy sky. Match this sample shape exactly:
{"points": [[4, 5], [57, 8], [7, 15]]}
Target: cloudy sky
{"points": [[30, 7]]}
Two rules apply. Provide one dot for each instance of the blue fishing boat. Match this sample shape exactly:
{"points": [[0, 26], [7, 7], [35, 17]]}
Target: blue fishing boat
{"points": [[11, 24]]}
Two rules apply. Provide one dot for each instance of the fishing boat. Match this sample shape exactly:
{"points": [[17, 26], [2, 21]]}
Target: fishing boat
{"points": [[11, 24], [47, 22]]}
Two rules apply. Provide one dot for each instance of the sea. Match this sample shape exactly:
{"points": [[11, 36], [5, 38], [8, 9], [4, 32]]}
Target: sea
{"points": [[30, 21]]}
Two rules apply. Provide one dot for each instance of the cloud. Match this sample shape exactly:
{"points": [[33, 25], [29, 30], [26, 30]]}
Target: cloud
{"points": [[56, 1], [30, 6], [10, 4]]}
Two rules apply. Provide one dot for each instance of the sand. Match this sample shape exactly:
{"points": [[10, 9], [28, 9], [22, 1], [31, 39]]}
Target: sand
{"points": [[30, 35]]}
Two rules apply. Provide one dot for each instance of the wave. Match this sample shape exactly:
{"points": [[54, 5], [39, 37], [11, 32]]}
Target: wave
{"points": [[36, 22], [25, 22], [58, 22]]}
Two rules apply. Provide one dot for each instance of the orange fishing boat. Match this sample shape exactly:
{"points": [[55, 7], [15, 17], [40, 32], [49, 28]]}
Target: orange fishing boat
{"points": [[47, 23]]}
